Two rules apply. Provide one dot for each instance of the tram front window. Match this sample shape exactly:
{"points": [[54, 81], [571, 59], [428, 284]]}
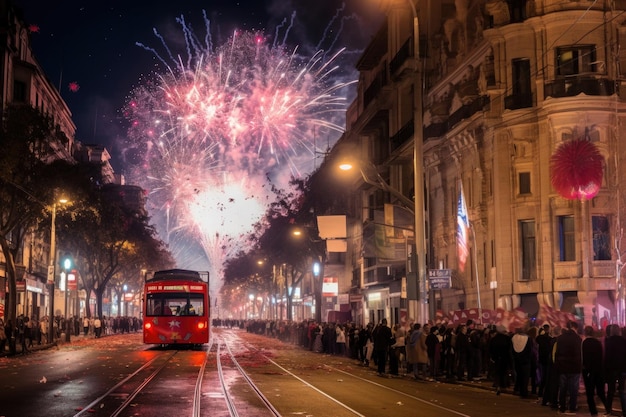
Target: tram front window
{"points": [[168, 304]]}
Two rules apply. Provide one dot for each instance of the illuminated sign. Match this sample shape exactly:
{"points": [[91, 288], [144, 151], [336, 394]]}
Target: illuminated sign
{"points": [[330, 287], [174, 288]]}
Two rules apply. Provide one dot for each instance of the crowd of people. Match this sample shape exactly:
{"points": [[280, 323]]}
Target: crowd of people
{"points": [[544, 362], [26, 333]]}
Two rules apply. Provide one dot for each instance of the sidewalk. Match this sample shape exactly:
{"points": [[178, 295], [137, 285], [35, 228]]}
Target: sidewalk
{"points": [[43, 346]]}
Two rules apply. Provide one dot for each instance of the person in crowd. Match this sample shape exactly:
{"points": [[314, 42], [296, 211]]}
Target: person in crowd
{"points": [[76, 326], [522, 353], [43, 329], [382, 340], [85, 326], [433, 349], [365, 338], [398, 349], [422, 352], [10, 332], [475, 354], [23, 337], [615, 367], [340, 340], [551, 393], [534, 359], [568, 364], [593, 371], [544, 345], [462, 351], [500, 351], [97, 327], [448, 352], [353, 340], [3, 337], [411, 349]]}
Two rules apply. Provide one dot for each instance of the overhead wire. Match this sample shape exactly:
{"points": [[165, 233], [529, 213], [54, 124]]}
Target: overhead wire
{"points": [[548, 50]]}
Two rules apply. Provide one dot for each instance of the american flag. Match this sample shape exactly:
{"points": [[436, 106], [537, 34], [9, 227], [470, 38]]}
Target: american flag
{"points": [[462, 229]]}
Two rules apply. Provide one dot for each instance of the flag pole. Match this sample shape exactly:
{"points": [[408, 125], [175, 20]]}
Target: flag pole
{"points": [[480, 309]]}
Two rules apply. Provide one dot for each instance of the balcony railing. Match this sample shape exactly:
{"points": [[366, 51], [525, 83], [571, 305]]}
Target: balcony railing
{"points": [[405, 52], [374, 88], [518, 101], [439, 129], [589, 85], [404, 134]]}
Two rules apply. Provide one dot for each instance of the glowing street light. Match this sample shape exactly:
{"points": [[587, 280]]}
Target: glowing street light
{"points": [[52, 266]]}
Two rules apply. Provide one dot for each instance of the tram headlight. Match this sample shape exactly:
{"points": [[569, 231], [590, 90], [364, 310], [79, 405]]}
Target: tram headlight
{"points": [[147, 326]]}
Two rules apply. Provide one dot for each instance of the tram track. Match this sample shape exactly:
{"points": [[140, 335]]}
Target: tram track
{"points": [[147, 383], [318, 384], [226, 376], [113, 394]]}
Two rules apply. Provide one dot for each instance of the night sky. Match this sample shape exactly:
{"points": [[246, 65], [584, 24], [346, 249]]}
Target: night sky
{"points": [[92, 44]]}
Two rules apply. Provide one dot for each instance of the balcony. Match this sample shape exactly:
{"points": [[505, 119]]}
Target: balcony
{"points": [[403, 135], [518, 101], [467, 110], [373, 90], [438, 129], [589, 85], [400, 59]]}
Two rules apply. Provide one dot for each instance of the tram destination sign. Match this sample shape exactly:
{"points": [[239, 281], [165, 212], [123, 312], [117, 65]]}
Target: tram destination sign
{"points": [[440, 279]]}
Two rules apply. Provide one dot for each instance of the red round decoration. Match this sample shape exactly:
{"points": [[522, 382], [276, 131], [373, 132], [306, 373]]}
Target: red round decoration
{"points": [[576, 169]]}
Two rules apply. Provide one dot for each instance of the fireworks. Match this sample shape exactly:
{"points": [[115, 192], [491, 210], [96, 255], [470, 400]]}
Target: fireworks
{"points": [[210, 132]]}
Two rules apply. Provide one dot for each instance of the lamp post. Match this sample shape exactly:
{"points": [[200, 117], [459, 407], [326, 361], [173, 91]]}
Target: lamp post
{"points": [[418, 165], [418, 168], [52, 266], [52, 272]]}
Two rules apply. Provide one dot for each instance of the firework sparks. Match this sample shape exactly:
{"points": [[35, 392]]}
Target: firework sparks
{"points": [[73, 86], [208, 133]]}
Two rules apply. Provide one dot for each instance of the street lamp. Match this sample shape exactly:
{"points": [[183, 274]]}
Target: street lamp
{"points": [[375, 179], [67, 265], [52, 267]]}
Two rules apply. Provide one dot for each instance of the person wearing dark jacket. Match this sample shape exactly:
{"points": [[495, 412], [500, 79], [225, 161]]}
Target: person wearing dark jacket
{"points": [[615, 366], [593, 374], [382, 340], [500, 349], [568, 365], [544, 348], [462, 351], [522, 355], [433, 347]]}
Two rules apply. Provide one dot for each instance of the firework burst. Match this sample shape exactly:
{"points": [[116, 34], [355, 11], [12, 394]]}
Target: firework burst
{"points": [[210, 131]]}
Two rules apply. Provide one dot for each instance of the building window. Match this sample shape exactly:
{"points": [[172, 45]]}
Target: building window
{"points": [[19, 92], [567, 238], [524, 182], [517, 10], [521, 77], [522, 96], [574, 60], [527, 245], [601, 238]]}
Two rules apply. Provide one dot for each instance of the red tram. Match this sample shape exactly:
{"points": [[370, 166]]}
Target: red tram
{"points": [[176, 308]]}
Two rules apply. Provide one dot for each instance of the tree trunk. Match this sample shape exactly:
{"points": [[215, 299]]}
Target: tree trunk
{"points": [[10, 311]]}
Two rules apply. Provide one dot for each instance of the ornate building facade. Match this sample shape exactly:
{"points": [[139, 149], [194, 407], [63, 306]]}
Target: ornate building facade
{"points": [[503, 84]]}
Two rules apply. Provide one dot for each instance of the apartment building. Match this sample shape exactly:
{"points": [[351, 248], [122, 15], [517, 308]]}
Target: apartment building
{"points": [[497, 87]]}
